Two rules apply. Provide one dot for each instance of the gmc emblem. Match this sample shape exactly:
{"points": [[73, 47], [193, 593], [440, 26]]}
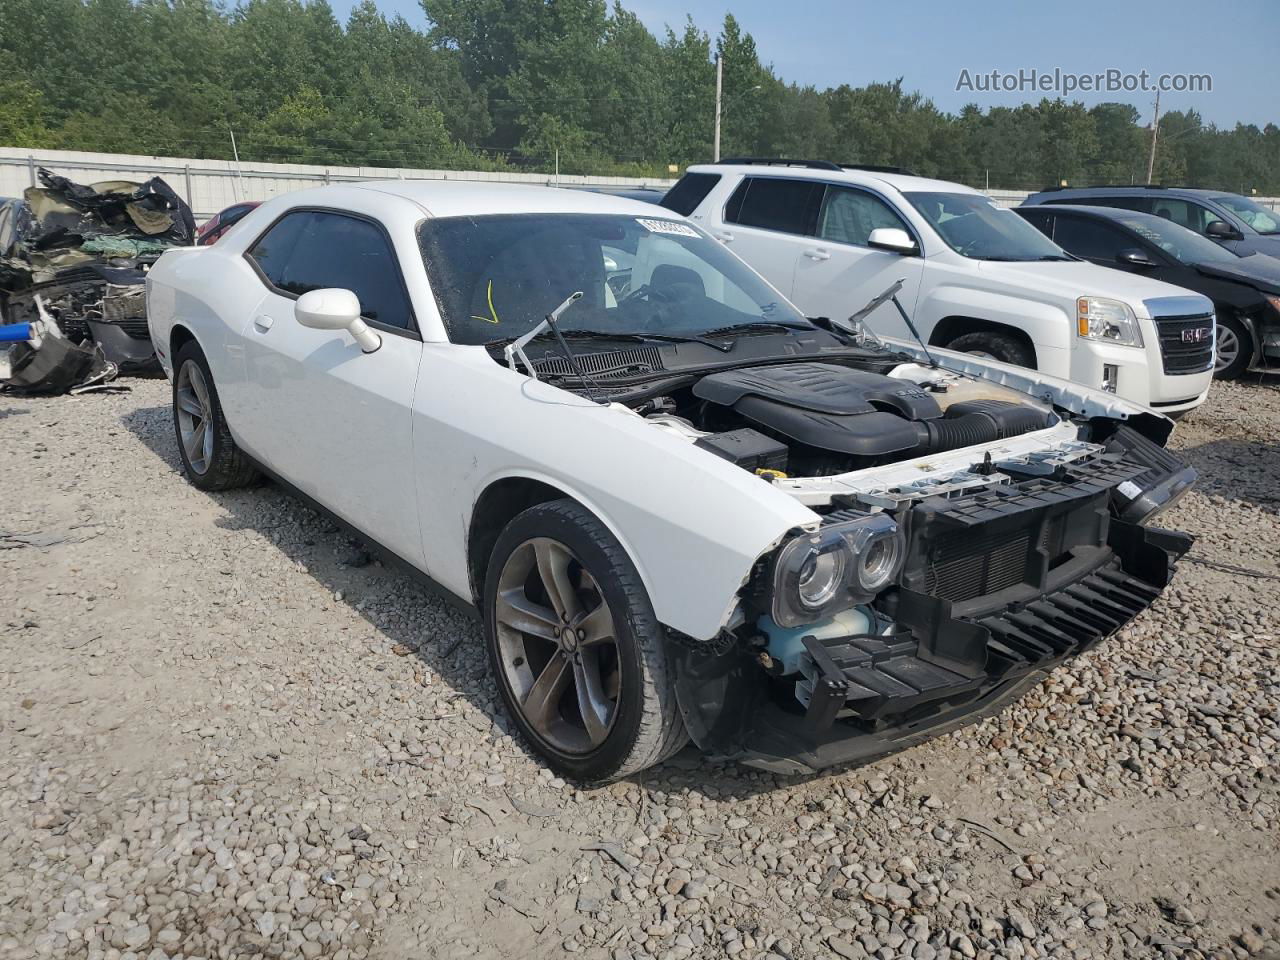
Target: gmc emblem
{"points": [[1198, 335]]}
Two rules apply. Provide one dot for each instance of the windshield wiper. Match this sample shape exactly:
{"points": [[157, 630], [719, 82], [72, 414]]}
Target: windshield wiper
{"points": [[516, 348]]}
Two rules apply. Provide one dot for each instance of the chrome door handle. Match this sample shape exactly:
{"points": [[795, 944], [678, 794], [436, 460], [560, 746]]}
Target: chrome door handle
{"points": [[263, 322], [724, 236], [817, 254]]}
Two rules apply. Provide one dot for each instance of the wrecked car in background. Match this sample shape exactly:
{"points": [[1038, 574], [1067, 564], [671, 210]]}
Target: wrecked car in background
{"points": [[82, 252]]}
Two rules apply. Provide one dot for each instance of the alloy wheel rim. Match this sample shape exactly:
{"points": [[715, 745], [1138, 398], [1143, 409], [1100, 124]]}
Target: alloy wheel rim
{"points": [[557, 646], [195, 428], [1228, 347]]}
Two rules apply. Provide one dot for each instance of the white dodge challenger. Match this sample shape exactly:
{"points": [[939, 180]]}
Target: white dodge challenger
{"points": [[681, 508]]}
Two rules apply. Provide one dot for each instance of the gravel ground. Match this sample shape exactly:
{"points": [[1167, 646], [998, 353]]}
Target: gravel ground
{"points": [[225, 732]]}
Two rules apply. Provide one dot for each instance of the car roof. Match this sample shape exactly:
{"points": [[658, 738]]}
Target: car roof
{"points": [[1110, 213], [902, 182], [1115, 214], [454, 198], [1133, 190]]}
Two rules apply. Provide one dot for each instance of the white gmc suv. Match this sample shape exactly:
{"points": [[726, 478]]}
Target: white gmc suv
{"points": [[976, 277]]}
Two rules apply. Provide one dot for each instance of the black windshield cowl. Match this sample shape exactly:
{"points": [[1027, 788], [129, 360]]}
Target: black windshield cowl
{"points": [[757, 326]]}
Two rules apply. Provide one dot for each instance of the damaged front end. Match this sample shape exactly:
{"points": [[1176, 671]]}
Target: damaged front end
{"points": [[936, 590], [79, 254]]}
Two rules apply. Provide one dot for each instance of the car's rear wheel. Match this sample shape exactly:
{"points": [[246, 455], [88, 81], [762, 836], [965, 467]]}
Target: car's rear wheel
{"points": [[575, 646], [1234, 347], [210, 458]]}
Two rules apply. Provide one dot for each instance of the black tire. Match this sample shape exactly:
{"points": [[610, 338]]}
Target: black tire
{"points": [[1236, 331], [1005, 347], [646, 727], [226, 466]]}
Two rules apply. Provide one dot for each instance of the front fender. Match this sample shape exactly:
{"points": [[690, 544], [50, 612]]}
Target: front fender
{"points": [[693, 524], [1047, 325]]}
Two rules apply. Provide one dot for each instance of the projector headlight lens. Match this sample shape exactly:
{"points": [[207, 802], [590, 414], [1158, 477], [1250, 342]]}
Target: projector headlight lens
{"points": [[841, 565]]}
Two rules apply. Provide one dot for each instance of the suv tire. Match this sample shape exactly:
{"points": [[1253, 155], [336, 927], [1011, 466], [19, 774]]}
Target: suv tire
{"points": [[210, 458], [571, 634], [1004, 347]]}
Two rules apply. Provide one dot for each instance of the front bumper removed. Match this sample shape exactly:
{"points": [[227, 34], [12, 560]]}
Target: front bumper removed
{"points": [[874, 695]]}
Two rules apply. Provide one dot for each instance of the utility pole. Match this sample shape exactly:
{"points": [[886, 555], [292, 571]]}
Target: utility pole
{"points": [[1155, 133], [239, 173], [715, 151]]}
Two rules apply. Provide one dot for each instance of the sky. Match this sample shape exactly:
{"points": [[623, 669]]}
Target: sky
{"points": [[929, 43]]}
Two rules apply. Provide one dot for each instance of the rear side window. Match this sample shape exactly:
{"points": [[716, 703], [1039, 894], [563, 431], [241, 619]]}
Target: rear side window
{"points": [[1090, 239], [1042, 220], [690, 191], [775, 203], [312, 249]]}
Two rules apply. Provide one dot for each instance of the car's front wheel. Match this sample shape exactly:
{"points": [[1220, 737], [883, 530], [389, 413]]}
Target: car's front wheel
{"points": [[575, 647], [210, 458], [993, 345], [1233, 347]]}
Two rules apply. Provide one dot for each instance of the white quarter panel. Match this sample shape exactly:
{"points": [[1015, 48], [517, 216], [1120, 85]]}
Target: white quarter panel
{"points": [[692, 523]]}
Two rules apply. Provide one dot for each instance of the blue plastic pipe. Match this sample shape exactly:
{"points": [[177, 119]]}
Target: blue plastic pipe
{"points": [[15, 333]]}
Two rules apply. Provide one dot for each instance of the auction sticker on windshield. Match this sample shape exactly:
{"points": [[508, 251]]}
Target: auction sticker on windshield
{"points": [[667, 226]]}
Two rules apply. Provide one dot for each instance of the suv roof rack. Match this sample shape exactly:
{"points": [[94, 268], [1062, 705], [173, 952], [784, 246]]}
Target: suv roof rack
{"points": [[1120, 186], [780, 162], [814, 164]]}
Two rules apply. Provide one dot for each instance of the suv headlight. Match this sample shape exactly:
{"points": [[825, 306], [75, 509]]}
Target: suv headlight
{"points": [[1100, 318], [839, 566]]}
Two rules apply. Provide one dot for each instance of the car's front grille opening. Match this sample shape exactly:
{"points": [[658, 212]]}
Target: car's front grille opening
{"points": [[964, 566], [1186, 343]]}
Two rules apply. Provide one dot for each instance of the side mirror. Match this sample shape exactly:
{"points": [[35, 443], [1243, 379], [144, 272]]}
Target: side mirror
{"points": [[894, 240], [1135, 258], [336, 309], [1221, 230]]}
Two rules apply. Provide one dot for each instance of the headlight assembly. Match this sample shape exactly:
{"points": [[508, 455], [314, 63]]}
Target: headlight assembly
{"points": [[841, 565], [1112, 321]]}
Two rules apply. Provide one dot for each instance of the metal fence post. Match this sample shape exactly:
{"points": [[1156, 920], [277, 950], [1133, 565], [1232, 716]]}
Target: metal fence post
{"points": [[186, 172], [31, 168]]}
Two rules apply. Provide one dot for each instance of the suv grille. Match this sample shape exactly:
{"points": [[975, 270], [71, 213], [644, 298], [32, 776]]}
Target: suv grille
{"points": [[1186, 343]]}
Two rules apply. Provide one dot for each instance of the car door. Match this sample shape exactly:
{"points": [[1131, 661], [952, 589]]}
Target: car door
{"points": [[330, 419], [837, 272], [1104, 243], [768, 221]]}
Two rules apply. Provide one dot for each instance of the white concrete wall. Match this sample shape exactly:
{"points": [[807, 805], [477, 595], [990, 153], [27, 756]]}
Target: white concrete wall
{"points": [[211, 185]]}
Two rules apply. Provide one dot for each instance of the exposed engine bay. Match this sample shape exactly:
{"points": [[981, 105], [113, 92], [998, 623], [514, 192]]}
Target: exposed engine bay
{"points": [[823, 420]]}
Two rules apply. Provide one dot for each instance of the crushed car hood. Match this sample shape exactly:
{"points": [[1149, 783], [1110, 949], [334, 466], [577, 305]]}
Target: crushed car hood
{"points": [[63, 224]]}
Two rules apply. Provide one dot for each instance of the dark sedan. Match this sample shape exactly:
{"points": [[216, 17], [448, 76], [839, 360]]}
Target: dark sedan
{"points": [[1245, 290]]}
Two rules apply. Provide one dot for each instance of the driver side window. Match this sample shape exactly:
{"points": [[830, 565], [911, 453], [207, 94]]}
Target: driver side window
{"points": [[849, 216], [312, 249]]}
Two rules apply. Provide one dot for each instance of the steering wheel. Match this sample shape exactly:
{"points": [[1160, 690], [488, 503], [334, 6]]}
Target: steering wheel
{"points": [[655, 297]]}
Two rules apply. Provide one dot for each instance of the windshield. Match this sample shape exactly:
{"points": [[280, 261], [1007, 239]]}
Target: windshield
{"points": [[974, 226], [496, 277], [1254, 214], [1177, 241]]}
